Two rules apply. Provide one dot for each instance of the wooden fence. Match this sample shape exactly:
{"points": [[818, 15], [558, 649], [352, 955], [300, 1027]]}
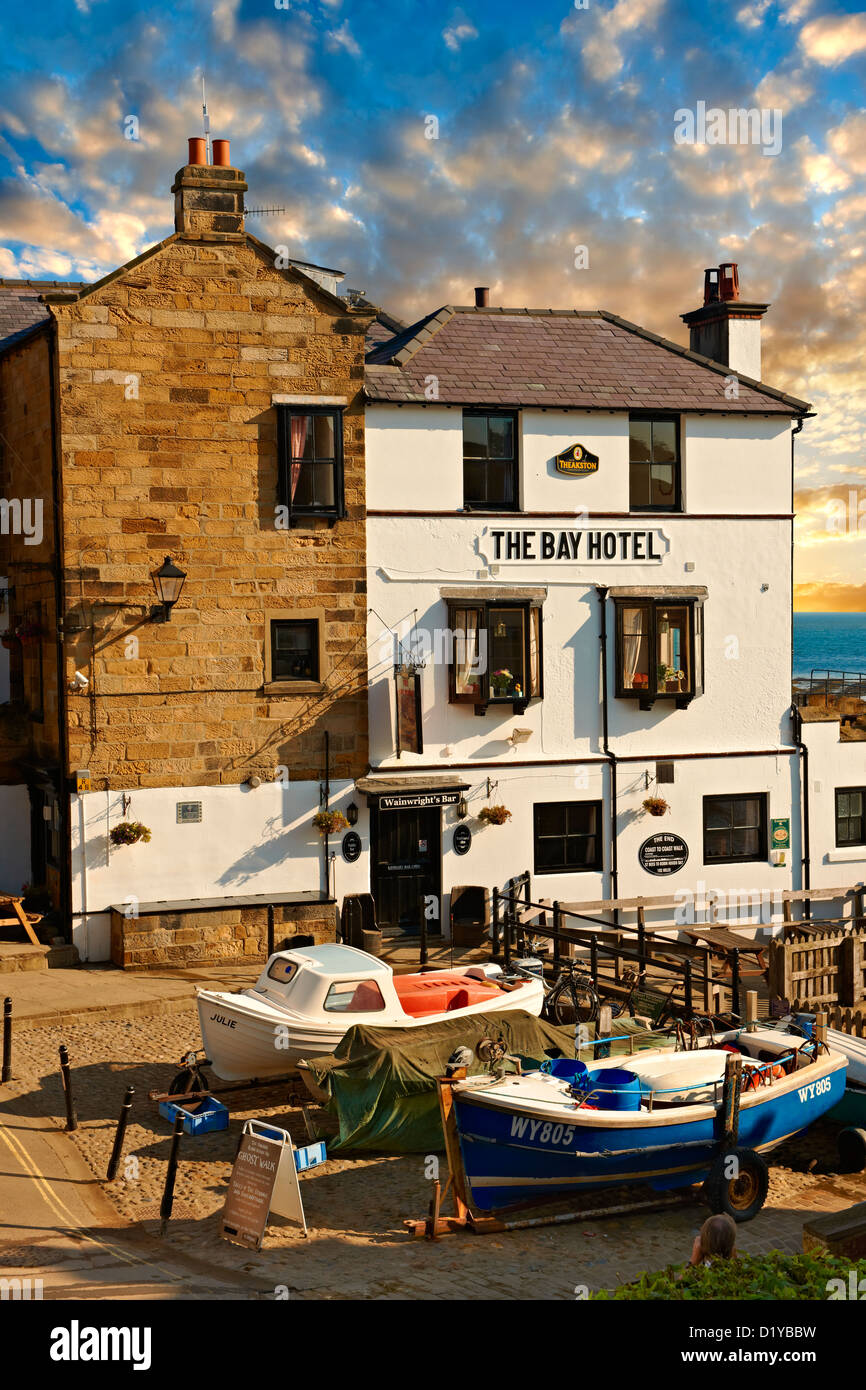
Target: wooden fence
{"points": [[810, 970], [847, 1020]]}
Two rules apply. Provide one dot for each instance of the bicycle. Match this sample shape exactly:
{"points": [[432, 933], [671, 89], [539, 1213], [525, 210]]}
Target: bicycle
{"points": [[574, 998]]}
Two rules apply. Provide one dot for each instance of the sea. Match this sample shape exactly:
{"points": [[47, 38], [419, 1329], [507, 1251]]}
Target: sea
{"points": [[829, 641]]}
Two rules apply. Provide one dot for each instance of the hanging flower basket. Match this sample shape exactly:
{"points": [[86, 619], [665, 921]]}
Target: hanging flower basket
{"points": [[128, 832], [494, 815], [9, 639], [656, 805], [330, 822], [28, 633]]}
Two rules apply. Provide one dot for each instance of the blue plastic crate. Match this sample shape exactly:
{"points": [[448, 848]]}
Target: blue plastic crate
{"points": [[199, 1116]]}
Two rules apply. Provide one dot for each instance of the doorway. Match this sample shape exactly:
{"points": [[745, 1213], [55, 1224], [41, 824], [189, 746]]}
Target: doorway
{"points": [[407, 867]]}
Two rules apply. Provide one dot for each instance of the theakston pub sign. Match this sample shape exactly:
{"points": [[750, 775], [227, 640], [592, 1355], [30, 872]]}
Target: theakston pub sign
{"points": [[582, 545], [576, 460]]}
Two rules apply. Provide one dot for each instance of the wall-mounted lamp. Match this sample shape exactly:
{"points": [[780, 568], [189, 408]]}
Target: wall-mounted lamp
{"points": [[168, 581], [352, 813], [462, 809]]}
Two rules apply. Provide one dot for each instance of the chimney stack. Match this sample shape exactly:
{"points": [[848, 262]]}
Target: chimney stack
{"points": [[209, 198], [482, 296], [725, 328]]}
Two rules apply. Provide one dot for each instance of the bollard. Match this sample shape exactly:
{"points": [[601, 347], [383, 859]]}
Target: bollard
{"points": [[7, 1039], [167, 1202], [122, 1122], [66, 1078]]}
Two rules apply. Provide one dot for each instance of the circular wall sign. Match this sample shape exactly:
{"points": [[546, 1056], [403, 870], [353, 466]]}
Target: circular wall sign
{"points": [[663, 854], [462, 839], [351, 847]]}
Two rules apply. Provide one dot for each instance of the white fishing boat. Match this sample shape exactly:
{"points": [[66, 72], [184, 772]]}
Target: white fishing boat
{"points": [[306, 1000]]}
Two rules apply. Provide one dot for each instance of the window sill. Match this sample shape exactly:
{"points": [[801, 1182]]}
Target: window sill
{"points": [[846, 854], [293, 687], [682, 699], [518, 707]]}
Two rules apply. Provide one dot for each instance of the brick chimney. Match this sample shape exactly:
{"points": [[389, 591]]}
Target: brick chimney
{"points": [[209, 198], [726, 328]]}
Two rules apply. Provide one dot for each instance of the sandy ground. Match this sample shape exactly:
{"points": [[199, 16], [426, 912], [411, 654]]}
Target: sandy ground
{"points": [[355, 1208]]}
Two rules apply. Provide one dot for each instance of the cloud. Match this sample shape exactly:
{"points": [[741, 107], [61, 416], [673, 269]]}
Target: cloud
{"points": [[601, 46], [821, 597], [752, 16], [459, 33], [833, 38], [343, 38]]}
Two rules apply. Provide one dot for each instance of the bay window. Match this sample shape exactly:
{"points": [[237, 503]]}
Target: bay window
{"points": [[310, 461], [495, 653], [659, 650]]}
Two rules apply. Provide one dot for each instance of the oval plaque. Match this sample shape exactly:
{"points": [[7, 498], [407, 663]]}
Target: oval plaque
{"points": [[351, 847], [462, 839], [663, 854]]}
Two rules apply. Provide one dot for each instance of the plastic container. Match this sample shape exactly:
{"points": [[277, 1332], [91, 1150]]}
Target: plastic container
{"points": [[568, 1069], [528, 965], [617, 1089], [199, 1116]]}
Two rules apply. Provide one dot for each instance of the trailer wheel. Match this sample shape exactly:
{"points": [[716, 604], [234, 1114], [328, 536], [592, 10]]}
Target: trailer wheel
{"points": [[851, 1145], [188, 1080], [740, 1194]]}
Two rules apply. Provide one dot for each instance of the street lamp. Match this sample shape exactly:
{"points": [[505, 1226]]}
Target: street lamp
{"points": [[168, 581]]}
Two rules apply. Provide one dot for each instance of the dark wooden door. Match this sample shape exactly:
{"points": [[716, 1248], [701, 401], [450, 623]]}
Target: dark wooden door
{"points": [[407, 867]]}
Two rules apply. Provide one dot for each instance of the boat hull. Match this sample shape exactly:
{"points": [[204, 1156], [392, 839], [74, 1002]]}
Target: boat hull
{"points": [[246, 1039], [512, 1156], [851, 1108]]}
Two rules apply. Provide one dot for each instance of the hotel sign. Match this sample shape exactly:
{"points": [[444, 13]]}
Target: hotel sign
{"points": [[417, 800], [576, 460], [625, 545]]}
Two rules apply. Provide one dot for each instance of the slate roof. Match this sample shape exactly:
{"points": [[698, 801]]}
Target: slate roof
{"points": [[20, 310], [583, 359]]}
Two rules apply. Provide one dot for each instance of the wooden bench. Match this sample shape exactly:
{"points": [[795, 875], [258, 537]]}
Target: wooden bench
{"points": [[19, 917], [723, 943], [838, 1232]]}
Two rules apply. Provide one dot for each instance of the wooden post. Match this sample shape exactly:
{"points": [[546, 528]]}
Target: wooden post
{"points": [[821, 1028], [708, 980], [456, 1170], [605, 1028], [731, 1100], [735, 982], [850, 969], [751, 1010], [786, 918]]}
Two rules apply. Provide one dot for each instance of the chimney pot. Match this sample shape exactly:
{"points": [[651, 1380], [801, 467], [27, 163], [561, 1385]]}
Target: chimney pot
{"points": [[221, 153], [482, 296], [711, 285], [729, 280], [197, 150]]}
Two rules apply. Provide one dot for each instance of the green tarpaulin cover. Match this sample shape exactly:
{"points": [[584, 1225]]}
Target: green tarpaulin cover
{"points": [[380, 1083]]}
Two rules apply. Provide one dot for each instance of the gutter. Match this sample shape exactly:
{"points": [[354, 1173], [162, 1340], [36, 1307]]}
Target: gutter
{"points": [[62, 700], [803, 760], [602, 592]]}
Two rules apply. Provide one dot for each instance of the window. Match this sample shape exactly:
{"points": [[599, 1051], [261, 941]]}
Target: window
{"points": [[282, 971], [310, 460], [654, 463], [850, 817], [495, 654], [659, 650], [490, 460], [354, 997], [294, 650], [567, 838], [735, 828]]}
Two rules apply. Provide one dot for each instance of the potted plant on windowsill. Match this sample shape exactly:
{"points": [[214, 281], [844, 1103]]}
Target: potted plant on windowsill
{"points": [[501, 680], [494, 815], [330, 822], [656, 805], [128, 832]]}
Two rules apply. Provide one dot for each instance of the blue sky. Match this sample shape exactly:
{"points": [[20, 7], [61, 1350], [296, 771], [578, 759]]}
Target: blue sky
{"points": [[555, 130]]}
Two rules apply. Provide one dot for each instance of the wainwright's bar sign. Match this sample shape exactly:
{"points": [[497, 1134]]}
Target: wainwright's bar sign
{"points": [[584, 546]]}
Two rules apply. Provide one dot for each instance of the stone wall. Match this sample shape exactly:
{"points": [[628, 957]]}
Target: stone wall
{"points": [[223, 936], [167, 373]]}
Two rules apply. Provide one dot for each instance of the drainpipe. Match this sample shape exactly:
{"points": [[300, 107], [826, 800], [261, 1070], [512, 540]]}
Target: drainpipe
{"points": [[601, 590], [803, 760], [62, 698]]}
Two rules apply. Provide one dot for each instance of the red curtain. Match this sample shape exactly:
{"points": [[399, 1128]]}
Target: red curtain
{"points": [[299, 440]]}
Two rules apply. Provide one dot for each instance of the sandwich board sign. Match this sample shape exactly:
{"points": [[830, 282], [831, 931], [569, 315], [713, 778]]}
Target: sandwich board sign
{"points": [[264, 1182]]}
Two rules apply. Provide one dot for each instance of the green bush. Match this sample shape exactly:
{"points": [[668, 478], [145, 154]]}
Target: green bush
{"points": [[770, 1277]]}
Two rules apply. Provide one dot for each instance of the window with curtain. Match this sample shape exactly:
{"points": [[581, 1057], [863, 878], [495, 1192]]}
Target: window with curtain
{"points": [[654, 463], [310, 449], [659, 649], [496, 653], [490, 460]]}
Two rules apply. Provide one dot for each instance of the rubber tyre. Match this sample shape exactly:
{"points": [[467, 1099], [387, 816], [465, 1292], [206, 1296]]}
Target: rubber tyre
{"points": [[187, 1081], [740, 1198], [851, 1145]]}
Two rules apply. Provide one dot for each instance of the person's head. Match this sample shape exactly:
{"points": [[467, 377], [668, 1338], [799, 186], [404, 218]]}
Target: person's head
{"points": [[718, 1237]]}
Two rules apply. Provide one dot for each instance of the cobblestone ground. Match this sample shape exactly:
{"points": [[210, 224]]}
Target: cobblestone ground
{"points": [[356, 1246]]}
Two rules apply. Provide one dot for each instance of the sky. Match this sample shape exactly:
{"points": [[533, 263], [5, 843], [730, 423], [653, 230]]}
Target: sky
{"points": [[427, 148]]}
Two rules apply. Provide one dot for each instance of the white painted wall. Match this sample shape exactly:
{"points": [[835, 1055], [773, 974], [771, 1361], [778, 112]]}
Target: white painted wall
{"points": [[14, 837], [832, 764], [248, 842]]}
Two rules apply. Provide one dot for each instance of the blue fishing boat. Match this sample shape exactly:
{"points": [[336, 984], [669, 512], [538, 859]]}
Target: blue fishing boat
{"points": [[659, 1119]]}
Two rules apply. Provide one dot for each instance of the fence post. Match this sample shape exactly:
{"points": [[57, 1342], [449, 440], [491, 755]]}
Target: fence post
{"points": [[593, 959], [751, 1010], [494, 924], [735, 982], [731, 1100], [7, 1039], [708, 981], [780, 969], [687, 987], [850, 969], [557, 926]]}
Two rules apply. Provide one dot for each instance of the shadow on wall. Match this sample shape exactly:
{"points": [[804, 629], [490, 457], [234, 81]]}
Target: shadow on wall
{"points": [[275, 847]]}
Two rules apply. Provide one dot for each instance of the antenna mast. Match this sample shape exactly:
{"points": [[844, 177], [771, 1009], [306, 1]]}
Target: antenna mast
{"points": [[205, 119]]}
